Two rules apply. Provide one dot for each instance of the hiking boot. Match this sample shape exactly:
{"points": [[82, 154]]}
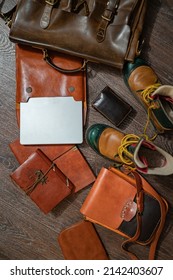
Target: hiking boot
{"points": [[130, 149], [156, 98]]}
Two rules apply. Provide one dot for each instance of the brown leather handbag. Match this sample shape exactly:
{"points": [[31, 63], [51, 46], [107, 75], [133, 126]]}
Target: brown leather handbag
{"points": [[127, 205], [96, 30]]}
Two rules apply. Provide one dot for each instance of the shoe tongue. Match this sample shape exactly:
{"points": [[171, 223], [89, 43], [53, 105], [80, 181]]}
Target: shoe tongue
{"points": [[141, 161], [164, 91]]}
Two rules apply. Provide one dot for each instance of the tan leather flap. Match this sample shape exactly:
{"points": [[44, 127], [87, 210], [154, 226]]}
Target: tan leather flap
{"points": [[108, 196]]}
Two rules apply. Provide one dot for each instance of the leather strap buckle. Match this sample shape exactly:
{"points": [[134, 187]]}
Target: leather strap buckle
{"points": [[139, 47], [51, 2], [106, 18], [45, 19]]}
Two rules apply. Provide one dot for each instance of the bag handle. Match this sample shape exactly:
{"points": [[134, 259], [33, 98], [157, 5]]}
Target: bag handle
{"points": [[7, 18], [164, 209], [48, 59]]}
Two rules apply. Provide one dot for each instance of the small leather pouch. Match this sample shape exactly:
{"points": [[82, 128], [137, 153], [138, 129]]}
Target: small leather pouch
{"points": [[111, 106], [42, 180], [81, 242], [67, 158], [127, 205]]}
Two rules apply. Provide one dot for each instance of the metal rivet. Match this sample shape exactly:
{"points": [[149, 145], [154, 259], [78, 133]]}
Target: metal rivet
{"points": [[71, 89], [29, 89]]}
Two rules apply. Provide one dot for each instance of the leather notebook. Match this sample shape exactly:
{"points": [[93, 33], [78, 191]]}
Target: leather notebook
{"points": [[81, 242], [112, 106], [42, 180], [68, 159]]}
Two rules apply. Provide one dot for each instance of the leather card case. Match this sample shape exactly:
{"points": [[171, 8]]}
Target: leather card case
{"points": [[80, 241], [112, 106], [42, 181], [67, 158]]}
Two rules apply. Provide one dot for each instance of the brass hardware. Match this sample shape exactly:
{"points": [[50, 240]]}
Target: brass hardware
{"points": [[71, 89], [67, 182], [139, 47], [45, 54], [51, 2], [41, 178], [105, 18], [29, 89]]}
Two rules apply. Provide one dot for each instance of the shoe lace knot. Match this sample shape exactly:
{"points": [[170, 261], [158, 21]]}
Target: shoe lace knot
{"points": [[147, 94]]}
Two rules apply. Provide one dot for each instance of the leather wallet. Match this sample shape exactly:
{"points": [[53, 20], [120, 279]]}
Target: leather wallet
{"points": [[42, 180], [111, 106], [68, 159], [81, 242]]}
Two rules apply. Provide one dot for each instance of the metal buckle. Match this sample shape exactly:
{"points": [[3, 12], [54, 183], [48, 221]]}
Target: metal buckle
{"points": [[139, 47], [51, 2], [107, 19]]}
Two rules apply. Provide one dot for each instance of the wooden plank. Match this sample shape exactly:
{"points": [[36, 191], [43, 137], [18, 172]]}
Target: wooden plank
{"points": [[25, 232]]}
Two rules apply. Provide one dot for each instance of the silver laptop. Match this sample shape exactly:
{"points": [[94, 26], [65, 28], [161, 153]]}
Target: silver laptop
{"points": [[51, 120]]}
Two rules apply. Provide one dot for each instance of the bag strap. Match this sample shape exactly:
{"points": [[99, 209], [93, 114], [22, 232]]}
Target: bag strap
{"points": [[106, 18], [48, 59], [140, 204], [164, 209]]}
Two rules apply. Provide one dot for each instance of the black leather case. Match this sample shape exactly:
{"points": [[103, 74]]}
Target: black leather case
{"points": [[111, 106]]}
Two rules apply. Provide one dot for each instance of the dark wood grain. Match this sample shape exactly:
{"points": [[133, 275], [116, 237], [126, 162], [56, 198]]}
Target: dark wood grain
{"points": [[25, 232]]}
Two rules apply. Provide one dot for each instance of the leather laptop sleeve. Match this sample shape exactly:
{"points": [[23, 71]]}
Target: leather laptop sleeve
{"points": [[35, 78], [81, 242]]}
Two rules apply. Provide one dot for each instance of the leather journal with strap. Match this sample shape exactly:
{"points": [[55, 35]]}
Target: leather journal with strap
{"points": [[42, 181], [67, 158]]}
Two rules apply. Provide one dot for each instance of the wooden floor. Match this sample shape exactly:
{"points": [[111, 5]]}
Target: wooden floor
{"points": [[25, 232]]}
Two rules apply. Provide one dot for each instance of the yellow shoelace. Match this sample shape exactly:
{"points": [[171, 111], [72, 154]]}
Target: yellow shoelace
{"points": [[130, 139], [123, 153], [146, 95]]}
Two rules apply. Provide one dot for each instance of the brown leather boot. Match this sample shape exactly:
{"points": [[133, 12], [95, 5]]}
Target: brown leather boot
{"points": [[130, 149], [157, 99]]}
